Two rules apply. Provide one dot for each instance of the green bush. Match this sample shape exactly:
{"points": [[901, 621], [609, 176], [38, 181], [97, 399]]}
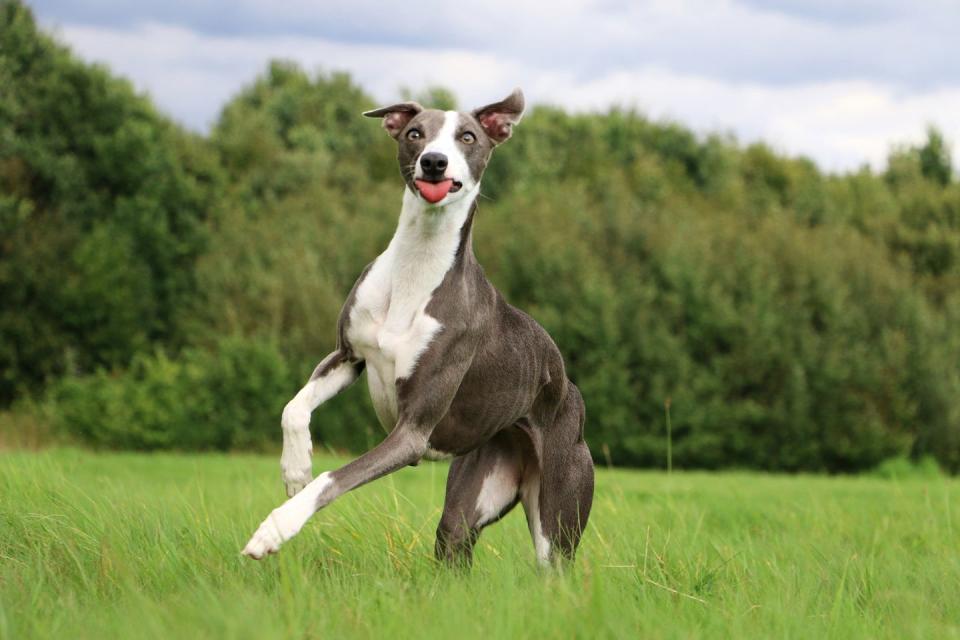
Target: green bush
{"points": [[902, 468], [227, 398]]}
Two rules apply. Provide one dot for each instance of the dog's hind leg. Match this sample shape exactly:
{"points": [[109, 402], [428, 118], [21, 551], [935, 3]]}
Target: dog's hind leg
{"points": [[557, 495], [482, 487]]}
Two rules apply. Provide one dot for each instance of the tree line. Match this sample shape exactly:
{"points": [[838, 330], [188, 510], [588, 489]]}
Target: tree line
{"points": [[164, 289]]}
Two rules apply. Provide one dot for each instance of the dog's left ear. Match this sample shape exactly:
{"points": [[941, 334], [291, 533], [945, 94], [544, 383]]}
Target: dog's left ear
{"points": [[396, 117], [497, 119]]}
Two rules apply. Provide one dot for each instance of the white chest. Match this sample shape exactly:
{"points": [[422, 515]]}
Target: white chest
{"points": [[389, 325], [389, 341]]}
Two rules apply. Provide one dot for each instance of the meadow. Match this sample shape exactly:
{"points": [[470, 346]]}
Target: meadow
{"points": [[99, 545]]}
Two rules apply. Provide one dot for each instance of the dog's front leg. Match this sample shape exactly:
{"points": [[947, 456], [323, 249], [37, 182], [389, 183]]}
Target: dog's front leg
{"points": [[335, 373], [423, 399], [405, 444]]}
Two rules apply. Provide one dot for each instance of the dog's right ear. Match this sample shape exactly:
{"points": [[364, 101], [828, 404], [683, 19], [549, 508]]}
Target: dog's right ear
{"points": [[395, 117]]}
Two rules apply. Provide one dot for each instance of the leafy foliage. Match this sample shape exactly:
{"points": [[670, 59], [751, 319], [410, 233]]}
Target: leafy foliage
{"points": [[104, 207], [223, 398], [795, 320]]}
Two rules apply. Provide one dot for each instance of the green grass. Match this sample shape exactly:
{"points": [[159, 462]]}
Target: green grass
{"points": [[147, 546]]}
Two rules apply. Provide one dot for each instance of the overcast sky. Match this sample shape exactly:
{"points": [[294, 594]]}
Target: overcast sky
{"points": [[839, 81]]}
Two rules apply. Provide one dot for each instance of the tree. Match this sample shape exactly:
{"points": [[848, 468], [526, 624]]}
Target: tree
{"points": [[103, 211], [935, 161]]}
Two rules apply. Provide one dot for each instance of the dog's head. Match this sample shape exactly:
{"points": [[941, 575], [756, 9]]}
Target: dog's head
{"points": [[443, 154]]}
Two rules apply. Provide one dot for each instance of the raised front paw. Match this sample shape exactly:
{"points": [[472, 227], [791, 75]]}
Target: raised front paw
{"points": [[295, 477]]}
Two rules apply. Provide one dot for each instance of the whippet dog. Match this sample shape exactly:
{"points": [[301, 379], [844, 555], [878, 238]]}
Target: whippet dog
{"points": [[451, 367]]}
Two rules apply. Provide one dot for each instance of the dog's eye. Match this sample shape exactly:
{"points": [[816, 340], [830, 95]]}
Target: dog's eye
{"points": [[414, 134], [468, 138]]}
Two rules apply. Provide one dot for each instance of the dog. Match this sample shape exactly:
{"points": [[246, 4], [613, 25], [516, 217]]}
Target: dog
{"points": [[452, 368]]}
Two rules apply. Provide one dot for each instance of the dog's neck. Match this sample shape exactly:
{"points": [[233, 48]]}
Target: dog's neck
{"points": [[428, 243], [433, 233]]}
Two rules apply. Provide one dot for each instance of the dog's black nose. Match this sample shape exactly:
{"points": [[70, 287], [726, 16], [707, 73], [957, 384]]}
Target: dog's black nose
{"points": [[433, 165]]}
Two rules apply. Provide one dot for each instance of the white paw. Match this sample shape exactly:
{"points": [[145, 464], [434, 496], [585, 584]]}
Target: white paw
{"points": [[266, 539], [285, 521], [295, 478]]}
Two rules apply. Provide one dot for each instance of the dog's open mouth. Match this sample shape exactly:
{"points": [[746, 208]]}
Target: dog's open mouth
{"points": [[434, 192]]}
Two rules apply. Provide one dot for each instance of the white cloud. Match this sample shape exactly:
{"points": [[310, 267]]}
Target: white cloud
{"points": [[192, 75], [840, 122], [908, 42]]}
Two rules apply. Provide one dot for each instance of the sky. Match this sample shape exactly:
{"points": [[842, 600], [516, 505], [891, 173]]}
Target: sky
{"points": [[838, 81]]}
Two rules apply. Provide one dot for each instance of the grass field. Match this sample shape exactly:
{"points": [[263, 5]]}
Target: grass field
{"points": [[147, 546]]}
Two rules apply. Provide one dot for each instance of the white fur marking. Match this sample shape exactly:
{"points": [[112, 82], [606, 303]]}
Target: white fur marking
{"points": [[285, 521], [499, 489], [389, 325], [297, 448], [531, 504], [445, 142]]}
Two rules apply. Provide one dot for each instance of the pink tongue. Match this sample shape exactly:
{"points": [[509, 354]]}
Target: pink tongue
{"points": [[434, 191]]}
